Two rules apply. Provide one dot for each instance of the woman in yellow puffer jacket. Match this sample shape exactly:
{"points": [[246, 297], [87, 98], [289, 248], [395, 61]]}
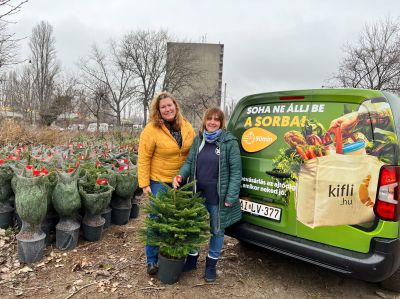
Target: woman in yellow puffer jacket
{"points": [[164, 144]]}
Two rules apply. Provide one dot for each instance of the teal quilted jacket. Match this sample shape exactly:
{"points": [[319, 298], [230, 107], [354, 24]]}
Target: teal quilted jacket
{"points": [[230, 175]]}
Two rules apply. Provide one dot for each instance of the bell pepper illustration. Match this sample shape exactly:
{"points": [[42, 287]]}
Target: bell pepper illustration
{"points": [[363, 193]]}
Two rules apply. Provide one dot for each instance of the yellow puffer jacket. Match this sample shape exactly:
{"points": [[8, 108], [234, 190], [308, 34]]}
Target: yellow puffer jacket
{"points": [[160, 157]]}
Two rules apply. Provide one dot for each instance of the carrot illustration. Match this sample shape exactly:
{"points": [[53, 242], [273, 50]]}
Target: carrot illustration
{"points": [[300, 151], [310, 153]]}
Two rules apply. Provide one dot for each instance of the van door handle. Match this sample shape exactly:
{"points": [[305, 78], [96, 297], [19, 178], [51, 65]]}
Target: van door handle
{"points": [[281, 175]]}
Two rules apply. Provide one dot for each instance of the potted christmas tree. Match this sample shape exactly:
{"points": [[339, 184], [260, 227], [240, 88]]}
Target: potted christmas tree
{"points": [[95, 192], [6, 210], [121, 204], [179, 224]]}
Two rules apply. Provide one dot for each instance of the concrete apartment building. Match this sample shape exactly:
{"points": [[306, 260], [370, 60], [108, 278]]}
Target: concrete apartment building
{"points": [[204, 88]]}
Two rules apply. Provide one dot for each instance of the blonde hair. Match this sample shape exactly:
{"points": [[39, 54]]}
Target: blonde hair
{"points": [[155, 115], [209, 113]]}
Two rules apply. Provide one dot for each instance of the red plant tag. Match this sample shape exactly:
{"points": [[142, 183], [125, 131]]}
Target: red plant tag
{"points": [[124, 167], [101, 181], [11, 157]]}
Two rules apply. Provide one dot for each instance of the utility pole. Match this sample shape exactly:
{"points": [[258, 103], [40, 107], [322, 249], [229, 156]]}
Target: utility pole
{"points": [[223, 107]]}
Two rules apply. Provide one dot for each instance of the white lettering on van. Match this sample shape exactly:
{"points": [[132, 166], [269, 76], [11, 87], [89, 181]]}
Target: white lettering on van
{"points": [[264, 139], [269, 187], [318, 108], [259, 110], [298, 108], [278, 109]]}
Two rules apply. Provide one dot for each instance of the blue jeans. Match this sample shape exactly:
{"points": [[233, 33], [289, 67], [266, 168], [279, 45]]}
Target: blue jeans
{"points": [[217, 235], [152, 250]]}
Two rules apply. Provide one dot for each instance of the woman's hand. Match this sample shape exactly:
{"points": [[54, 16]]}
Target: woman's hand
{"points": [[227, 204], [346, 122], [177, 181], [146, 190]]}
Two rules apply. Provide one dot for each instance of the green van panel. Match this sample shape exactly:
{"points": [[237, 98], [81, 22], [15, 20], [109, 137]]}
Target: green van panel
{"points": [[279, 131]]}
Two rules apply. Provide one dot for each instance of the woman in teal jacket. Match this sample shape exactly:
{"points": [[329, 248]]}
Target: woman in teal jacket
{"points": [[214, 162]]}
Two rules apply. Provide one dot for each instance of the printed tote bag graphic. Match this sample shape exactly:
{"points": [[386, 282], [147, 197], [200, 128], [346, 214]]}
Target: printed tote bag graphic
{"points": [[337, 190]]}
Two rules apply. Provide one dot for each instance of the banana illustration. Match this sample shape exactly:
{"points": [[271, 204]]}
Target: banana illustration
{"points": [[363, 193]]}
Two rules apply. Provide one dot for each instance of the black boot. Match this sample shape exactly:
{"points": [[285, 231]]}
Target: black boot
{"points": [[211, 269], [152, 269], [190, 263]]}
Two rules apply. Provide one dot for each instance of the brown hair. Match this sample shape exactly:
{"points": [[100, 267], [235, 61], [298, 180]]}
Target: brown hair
{"points": [[210, 112], [155, 115]]}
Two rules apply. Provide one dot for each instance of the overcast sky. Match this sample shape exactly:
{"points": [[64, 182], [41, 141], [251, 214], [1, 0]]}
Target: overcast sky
{"points": [[269, 45]]}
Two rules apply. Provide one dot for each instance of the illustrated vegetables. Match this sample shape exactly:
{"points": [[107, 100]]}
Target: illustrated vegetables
{"points": [[294, 138]]}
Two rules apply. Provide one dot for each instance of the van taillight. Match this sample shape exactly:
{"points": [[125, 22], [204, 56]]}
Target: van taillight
{"points": [[386, 205]]}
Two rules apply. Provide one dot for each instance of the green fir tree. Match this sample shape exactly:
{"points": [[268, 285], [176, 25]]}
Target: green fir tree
{"points": [[179, 222]]}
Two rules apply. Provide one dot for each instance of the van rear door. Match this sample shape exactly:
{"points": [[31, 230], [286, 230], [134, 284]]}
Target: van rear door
{"points": [[279, 131], [367, 129]]}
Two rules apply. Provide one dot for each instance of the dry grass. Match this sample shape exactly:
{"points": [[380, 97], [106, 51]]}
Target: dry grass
{"points": [[15, 132]]}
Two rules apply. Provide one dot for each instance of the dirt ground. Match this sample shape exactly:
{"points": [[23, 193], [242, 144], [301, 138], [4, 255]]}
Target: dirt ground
{"points": [[114, 267]]}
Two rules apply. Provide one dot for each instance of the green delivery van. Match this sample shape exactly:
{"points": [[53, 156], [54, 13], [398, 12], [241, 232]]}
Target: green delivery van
{"points": [[320, 178]]}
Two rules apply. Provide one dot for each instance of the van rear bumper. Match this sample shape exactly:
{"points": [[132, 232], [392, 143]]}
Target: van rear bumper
{"points": [[377, 265]]}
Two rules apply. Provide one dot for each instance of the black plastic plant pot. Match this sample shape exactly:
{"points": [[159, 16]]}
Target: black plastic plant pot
{"points": [[67, 234], [120, 216], [18, 220], [52, 219], [134, 210], [169, 269], [92, 233], [46, 228], [31, 250], [107, 216], [6, 218]]}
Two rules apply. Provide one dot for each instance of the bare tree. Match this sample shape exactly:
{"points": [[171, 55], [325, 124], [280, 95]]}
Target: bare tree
{"points": [[94, 100], [27, 103], [111, 75], [146, 52], [15, 91], [200, 100], [44, 64], [65, 93], [374, 62], [8, 41], [147, 58]]}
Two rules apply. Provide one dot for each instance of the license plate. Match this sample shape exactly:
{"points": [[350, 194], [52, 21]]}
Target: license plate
{"points": [[261, 210]]}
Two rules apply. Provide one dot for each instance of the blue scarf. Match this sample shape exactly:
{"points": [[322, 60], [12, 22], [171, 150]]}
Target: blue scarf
{"points": [[211, 137]]}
